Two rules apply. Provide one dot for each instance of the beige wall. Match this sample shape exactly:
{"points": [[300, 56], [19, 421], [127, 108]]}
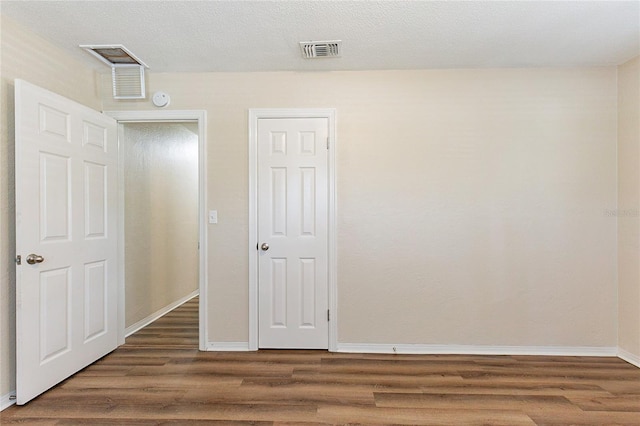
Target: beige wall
{"points": [[629, 207], [473, 205], [161, 216], [28, 57]]}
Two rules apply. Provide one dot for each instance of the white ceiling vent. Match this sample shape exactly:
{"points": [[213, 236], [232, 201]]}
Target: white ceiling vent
{"points": [[127, 71], [321, 49], [113, 54]]}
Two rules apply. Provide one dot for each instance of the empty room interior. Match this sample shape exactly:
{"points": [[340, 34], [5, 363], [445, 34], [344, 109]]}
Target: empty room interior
{"points": [[343, 187]]}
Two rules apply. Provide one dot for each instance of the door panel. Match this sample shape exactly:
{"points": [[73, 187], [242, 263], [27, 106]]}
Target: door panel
{"points": [[55, 297], [95, 307], [293, 222], [308, 292], [95, 195], [66, 212], [55, 184], [278, 306]]}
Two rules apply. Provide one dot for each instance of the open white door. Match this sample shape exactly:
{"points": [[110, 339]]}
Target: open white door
{"points": [[66, 238]]}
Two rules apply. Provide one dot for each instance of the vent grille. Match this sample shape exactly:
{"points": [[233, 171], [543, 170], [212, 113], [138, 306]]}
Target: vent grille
{"points": [[127, 70], [321, 49], [128, 81], [113, 54]]}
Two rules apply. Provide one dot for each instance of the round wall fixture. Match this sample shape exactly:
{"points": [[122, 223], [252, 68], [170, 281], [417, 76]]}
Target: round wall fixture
{"points": [[161, 99]]}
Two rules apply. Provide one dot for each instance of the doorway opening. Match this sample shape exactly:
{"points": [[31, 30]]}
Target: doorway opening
{"points": [[162, 228]]}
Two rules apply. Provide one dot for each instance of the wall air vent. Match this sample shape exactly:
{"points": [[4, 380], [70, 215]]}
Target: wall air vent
{"points": [[321, 49], [127, 70], [128, 82]]}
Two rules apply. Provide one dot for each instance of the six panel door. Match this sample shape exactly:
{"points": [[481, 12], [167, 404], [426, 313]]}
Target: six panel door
{"points": [[293, 233], [66, 236]]}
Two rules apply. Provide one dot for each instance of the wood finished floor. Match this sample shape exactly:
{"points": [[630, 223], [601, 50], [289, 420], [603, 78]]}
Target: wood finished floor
{"points": [[159, 377]]}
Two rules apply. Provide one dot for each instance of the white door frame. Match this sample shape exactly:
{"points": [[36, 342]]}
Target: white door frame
{"points": [[256, 114], [167, 116]]}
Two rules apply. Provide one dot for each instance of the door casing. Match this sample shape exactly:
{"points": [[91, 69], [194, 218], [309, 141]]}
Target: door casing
{"points": [[256, 114], [167, 116]]}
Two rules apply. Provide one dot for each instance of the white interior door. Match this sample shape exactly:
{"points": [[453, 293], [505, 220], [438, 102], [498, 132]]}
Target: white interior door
{"points": [[66, 237], [293, 233]]}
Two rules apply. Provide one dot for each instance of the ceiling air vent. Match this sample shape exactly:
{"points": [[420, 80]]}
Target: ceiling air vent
{"points": [[127, 71], [321, 49]]}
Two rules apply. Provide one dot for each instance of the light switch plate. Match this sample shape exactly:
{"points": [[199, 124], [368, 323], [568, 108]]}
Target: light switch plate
{"points": [[213, 216]]}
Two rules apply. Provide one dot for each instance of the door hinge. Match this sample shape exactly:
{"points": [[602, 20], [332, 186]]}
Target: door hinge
{"points": [[328, 315], [327, 143], [19, 260]]}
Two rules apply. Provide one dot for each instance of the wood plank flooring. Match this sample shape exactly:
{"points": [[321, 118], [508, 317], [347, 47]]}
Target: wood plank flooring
{"points": [[159, 377]]}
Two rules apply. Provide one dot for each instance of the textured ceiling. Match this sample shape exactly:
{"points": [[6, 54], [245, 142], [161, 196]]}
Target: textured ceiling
{"points": [[174, 36]]}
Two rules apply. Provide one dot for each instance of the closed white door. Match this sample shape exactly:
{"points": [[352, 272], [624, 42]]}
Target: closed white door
{"points": [[293, 233], [66, 229]]}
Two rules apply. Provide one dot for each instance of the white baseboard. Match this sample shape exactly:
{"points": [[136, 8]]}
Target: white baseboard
{"points": [[448, 349], [629, 357], [6, 401], [154, 316], [476, 349], [228, 346]]}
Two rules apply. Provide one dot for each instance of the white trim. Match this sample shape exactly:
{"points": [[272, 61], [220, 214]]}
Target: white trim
{"points": [[7, 400], [228, 346], [476, 349], [172, 116], [629, 357], [122, 323], [254, 115], [157, 314], [333, 234]]}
